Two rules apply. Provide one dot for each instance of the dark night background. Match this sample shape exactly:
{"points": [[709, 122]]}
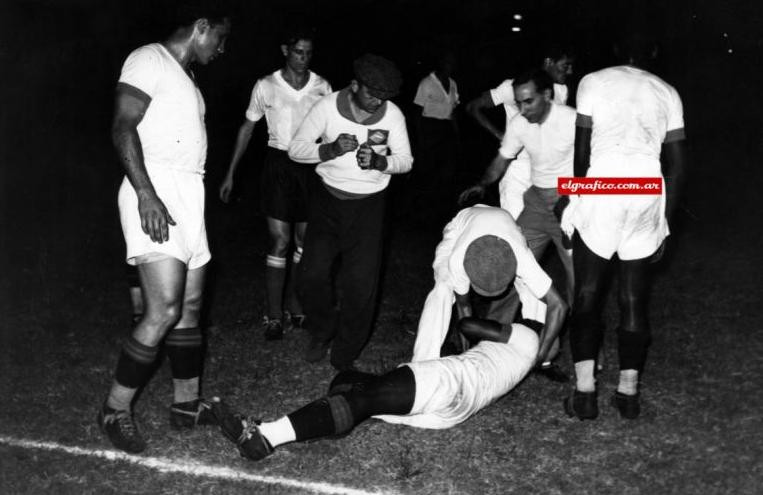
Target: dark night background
{"points": [[61, 60]]}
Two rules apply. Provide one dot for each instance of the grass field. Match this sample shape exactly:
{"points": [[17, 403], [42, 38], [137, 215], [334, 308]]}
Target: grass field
{"points": [[67, 312]]}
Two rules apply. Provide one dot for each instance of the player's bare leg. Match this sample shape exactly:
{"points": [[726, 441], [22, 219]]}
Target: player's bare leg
{"points": [[163, 284], [184, 347], [275, 276], [136, 294], [294, 314]]}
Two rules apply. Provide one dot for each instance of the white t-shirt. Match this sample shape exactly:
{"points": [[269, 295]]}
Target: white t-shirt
{"points": [[451, 389], [436, 102], [172, 132], [503, 94], [551, 144], [387, 136], [283, 106], [633, 113]]}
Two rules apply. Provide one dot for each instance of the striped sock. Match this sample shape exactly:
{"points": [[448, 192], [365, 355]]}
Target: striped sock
{"points": [[134, 368], [275, 278], [185, 352]]}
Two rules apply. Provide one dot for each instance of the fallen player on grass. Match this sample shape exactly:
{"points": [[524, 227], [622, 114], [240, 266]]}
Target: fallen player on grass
{"points": [[437, 393]]}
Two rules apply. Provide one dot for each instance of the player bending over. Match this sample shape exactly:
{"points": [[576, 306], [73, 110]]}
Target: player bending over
{"points": [[433, 393]]}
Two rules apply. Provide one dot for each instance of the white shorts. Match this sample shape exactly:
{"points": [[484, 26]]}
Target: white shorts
{"points": [[449, 390], [514, 183], [183, 195], [633, 226]]}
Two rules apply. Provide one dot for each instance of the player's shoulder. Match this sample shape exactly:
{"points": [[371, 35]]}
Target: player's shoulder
{"points": [[320, 81], [151, 53], [393, 111]]}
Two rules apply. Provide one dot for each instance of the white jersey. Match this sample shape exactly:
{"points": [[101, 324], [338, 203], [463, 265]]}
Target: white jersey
{"points": [[172, 132], [451, 389], [633, 113], [517, 179], [284, 107], [384, 131], [550, 144], [436, 103]]}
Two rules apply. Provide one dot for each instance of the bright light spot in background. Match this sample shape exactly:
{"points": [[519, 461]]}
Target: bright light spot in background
{"points": [[731, 51], [516, 29], [517, 17]]}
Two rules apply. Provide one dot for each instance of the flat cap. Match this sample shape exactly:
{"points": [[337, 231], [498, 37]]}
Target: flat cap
{"points": [[379, 75], [490, 264]]}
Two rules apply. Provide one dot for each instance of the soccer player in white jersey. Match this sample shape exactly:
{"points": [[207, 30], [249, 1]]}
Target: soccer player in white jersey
{"points": [[627, 119], [283, 98], [483, 249], [558, 63], [159, 134]]}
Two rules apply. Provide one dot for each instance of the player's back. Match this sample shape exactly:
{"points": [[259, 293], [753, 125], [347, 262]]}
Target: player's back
{"points": [[631, 111]]}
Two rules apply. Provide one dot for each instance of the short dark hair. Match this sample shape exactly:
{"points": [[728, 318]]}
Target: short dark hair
{"points": [[539, 77], [635, 47], [189, 11], [557, 51], [296, 31]]}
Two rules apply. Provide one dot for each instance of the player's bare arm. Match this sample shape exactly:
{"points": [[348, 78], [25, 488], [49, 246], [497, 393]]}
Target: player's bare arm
{"points": [[556, 312], [493, 174], [130, 107], [242, 142], [582, 158], [476, 108], [674, 171], [478, 329], [463, 306]]}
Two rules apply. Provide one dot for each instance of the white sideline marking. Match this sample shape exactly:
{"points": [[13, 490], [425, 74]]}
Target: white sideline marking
{"points": [[165, 465]]}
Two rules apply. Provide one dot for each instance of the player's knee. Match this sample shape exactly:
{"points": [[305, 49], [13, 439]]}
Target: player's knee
{"points": [[165, 314]]}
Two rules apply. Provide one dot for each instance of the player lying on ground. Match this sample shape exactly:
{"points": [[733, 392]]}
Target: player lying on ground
{"points": [[431, 391], [439, 393]]}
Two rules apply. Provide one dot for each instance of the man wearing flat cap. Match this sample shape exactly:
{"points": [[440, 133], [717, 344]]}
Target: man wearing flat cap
{"points": [[359, 139], [482, 249]]}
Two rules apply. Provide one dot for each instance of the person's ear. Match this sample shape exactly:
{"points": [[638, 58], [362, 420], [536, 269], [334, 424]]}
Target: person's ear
{"points": [[547, 95], [285, 50], [201, 26], [354, 86]]}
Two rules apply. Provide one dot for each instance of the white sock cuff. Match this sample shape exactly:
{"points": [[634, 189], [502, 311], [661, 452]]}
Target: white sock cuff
{"points": [[278, 432], [275, 261]]}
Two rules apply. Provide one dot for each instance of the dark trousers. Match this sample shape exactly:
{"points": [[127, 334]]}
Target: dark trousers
{"points": [[349, 230]]}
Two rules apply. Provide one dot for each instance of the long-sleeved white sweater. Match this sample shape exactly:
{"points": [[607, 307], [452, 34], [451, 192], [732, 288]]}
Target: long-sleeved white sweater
{"points": [[331, 116]]}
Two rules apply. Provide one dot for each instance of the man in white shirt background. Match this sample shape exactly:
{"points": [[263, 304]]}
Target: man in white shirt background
{"points": [[437, 140], [558, 62]]}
